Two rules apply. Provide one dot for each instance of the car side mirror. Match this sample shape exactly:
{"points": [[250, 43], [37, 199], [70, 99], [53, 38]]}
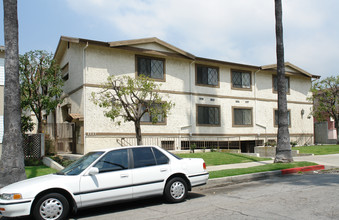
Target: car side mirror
{"points": [[93, 171]]}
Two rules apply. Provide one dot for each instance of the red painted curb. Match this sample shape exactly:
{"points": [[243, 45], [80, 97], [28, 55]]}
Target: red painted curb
{"points": [[302, 169]]}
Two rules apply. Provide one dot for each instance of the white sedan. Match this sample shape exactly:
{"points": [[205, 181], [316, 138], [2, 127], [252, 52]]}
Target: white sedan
{"points": [[101, 177]]}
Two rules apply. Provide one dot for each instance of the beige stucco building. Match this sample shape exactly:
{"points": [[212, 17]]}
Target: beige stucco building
{"points": [[217, 103]]}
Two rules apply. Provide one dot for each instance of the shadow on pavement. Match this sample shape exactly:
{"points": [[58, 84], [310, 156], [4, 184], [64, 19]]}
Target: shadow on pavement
{"points": [[126, 206]]}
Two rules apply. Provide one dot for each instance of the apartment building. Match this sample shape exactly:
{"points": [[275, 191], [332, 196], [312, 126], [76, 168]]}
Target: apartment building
{"points": [[217, 103]]}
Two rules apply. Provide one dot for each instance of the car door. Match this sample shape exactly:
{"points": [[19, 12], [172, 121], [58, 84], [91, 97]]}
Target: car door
{"points": [[113, 182], [149, 175]]}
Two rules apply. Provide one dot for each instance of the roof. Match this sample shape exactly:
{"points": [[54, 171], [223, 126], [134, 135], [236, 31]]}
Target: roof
{"points": [[151, 40], [288, 64], [74, 117], [133, 45]]}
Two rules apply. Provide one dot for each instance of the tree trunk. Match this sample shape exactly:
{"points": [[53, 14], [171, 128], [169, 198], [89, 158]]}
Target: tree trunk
{"points": [[337, 128], [12, 168], [138, 133], [283, 152]]}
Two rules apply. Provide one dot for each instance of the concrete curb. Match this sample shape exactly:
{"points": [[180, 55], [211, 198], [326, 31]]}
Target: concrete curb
{"points": [[51, 163], [224, 181]]}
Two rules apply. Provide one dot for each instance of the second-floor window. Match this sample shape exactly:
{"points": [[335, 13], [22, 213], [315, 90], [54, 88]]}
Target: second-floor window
{"points": [[241, 79], [207, 76], [208, 115], [242, 117], [151, 67], [275, 84]]}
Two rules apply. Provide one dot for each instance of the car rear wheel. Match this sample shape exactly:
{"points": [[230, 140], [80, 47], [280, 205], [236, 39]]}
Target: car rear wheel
{"points": [[176, 190], [53, 206]]}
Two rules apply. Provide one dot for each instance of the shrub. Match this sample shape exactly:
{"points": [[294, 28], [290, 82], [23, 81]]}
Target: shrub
{"points": [[33, 162], [192, 148]]}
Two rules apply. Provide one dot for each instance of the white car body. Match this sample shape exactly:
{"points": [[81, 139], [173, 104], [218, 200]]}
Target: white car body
{"points": [[88, 189]]}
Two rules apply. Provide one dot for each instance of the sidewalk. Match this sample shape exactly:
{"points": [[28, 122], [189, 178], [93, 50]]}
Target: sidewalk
{"points": [[331, 160]]}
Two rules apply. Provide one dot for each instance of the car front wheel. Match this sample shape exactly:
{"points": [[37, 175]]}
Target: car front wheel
{"points": [[53, 206], [176, 190]]}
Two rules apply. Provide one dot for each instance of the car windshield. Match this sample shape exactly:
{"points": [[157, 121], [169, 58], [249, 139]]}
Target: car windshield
{"points": [[81, 164]]}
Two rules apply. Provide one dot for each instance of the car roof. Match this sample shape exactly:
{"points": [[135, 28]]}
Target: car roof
{"points": [[125, 147]]}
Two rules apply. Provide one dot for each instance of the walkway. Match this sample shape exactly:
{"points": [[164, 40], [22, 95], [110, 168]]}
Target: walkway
{"points": [[331, 160]]}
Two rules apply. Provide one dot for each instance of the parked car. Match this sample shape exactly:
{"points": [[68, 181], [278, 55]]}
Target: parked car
{"points": [[104, 176]]}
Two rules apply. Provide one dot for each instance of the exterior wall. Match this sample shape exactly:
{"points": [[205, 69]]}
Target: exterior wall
{"points": [[180, 87]]}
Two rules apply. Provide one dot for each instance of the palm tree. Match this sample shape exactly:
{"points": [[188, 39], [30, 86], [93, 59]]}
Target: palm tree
{"points": [[12, 168], [283, 152]]}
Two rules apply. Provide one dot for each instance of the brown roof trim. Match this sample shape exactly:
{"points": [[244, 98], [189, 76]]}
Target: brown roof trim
{"points": [[226, 63], [288, 64]]}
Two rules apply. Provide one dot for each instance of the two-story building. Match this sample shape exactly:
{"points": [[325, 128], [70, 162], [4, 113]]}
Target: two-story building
{"points": [[217, 103]]}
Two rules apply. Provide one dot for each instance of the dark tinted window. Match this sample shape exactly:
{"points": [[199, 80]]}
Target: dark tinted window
{"points": [[207, 75], [160, 157], [143, 157], [114, 160], [151, 67]]}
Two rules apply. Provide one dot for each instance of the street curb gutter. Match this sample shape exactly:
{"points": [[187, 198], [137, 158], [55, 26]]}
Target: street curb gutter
{"points": [[224, 181], [302, 169]]}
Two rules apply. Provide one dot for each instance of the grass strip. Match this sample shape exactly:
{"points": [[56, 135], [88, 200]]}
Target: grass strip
{"points": [[34, 171], [258, 169], [318, 149], [220, 158]]}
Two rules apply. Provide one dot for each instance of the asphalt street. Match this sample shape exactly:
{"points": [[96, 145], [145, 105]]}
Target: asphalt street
{"points": [[300, 196]]}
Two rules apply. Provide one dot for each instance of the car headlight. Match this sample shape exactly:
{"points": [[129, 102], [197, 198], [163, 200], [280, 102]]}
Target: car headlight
{"points": [[11, 196]]}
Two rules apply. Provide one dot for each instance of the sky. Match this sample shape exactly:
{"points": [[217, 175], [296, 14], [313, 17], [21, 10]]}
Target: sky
{"points": [[240, 31]]}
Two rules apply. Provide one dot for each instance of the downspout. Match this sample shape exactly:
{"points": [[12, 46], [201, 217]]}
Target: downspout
{"points": [[255, 104], [191, 97], [84, 91]]}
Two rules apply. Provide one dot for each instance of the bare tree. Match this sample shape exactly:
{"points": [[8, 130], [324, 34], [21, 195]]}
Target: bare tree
{"points": [[283, 152], [12, 168]]}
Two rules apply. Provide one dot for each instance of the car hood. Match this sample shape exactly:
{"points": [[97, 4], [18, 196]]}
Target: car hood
{"points": [[31, 187]]}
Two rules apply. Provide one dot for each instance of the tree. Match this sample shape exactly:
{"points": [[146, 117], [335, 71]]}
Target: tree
{"points": [[283, 151], [325, 96], [130, 99], [12, 167], [41, 84]]}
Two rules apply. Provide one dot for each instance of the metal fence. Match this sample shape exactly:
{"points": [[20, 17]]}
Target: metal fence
{"points": [[186, 143]]}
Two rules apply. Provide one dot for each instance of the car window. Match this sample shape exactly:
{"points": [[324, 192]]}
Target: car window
{"points": [[160, 157], [81, 164], [143, 157], [113, 160]]}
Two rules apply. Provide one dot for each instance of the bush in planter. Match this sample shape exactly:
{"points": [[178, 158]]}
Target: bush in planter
{"points": [[293, 143], [192, 148]]}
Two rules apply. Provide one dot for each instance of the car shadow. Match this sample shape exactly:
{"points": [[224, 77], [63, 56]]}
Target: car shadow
{"points": [[126, 206]]}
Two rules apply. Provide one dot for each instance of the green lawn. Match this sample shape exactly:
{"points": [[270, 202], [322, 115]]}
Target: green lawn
{"points": [[34, 171], [257, 169], [219, 158], [318, 149]]}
